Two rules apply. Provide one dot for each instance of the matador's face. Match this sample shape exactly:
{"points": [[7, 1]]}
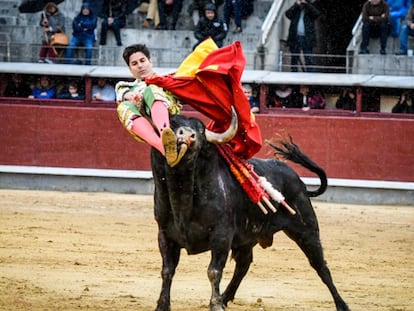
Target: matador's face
{"points": [[140, 66]]}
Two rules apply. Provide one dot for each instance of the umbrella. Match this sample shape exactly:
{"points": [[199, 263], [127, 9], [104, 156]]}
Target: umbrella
{"points": [[33, 6]]}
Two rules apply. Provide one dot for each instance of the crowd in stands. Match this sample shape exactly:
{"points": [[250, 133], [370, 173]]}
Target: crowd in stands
{"points": [[111, 15], [46, 87], [380, 18], [305, 97]]}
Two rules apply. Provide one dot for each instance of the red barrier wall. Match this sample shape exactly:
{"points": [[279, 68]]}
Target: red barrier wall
{"points": [[92, 137]]}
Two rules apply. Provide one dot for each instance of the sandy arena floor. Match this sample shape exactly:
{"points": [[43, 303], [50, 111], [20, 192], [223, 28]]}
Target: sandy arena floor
{"points": [[98, 251]]}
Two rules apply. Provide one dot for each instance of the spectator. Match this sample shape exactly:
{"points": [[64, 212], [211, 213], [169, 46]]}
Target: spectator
{"points": [[404, 104], [71, 92], [233, 8], [132, 96], [84, 25], [17, 87], [164, 8], [346, 100], [210, 25], [153, 16], [44, 89], [199, 5], [113, 17], [375, 22], [283, 97], [316, 99], [103, 91], [254, 103], [308, 98], [398, 11], [302, 33], [51, 21], [407, 29]]}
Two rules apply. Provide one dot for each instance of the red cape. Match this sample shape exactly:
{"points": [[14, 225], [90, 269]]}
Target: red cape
{"points": [[213, 89]]}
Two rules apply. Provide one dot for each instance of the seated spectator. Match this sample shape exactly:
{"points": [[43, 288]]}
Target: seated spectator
{"points": [[308, 98], [17, 87], [404, 104], [398, 11], [407, 29], [316, 99], [43, 89], [103, 91], [199, 5], [84, 25], [210, 26], [283, 97], [165, 8], [346, 100], [254, 103], [153, 17], [71, 92], [113, 17], [375, 22], [51, 21]]}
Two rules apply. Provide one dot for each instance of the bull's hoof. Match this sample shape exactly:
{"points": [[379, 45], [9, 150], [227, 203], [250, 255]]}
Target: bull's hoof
{"points": [[217, 308]]}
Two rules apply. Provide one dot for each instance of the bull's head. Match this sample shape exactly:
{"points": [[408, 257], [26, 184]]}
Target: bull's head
{"points": [[187, 137]]}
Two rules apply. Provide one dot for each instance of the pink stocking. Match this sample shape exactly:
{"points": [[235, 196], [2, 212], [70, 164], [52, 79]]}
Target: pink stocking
{"points": [[160, 115], [144, 130]]}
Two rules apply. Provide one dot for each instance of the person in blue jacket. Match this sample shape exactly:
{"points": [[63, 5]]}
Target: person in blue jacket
{"points": [[44, 89], [84, 25], [398, 11]]}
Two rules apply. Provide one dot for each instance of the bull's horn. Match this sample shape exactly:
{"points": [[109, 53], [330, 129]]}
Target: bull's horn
{"points": [[219, 138]]}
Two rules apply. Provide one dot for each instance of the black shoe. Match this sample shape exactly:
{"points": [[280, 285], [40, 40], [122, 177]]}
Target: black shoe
{"points": [[161, 27], [238, 30], [363, 51], [401, 53], [382, 52]]}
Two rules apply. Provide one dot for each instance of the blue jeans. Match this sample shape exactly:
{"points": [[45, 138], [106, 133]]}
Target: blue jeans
{"points": [[301, 45], [405, 32], [79, 41], [371, 30]]}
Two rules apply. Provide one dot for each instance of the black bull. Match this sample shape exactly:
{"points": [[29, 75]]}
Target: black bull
{"points": [[200, 206]]}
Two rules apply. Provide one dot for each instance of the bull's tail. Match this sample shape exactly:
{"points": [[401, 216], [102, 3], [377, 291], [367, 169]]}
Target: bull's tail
{"points": [[290, 151]]}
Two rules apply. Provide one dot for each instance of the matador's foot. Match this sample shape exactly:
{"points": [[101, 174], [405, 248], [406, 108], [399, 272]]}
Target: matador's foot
{"points": [[169, 140]]}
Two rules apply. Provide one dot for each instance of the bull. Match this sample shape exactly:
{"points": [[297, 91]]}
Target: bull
{"points": [[200, 206]]}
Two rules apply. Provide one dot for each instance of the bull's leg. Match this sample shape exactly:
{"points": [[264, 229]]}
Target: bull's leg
{"points": [[219, 254], [170, 253], [243, 258], [306, 236]]}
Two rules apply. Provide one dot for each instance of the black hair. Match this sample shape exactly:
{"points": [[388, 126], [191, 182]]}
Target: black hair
{"points": [[129, 50]]}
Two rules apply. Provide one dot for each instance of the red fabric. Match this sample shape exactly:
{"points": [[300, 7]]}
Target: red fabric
{"points": [[215, 88]]}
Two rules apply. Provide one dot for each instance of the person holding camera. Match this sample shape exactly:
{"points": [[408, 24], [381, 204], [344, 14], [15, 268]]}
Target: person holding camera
{"points": [[84, 25], [302, 33], [51, 21]]}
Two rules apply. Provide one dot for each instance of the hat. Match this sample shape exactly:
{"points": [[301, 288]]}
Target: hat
{"points": [[210, 7]]}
